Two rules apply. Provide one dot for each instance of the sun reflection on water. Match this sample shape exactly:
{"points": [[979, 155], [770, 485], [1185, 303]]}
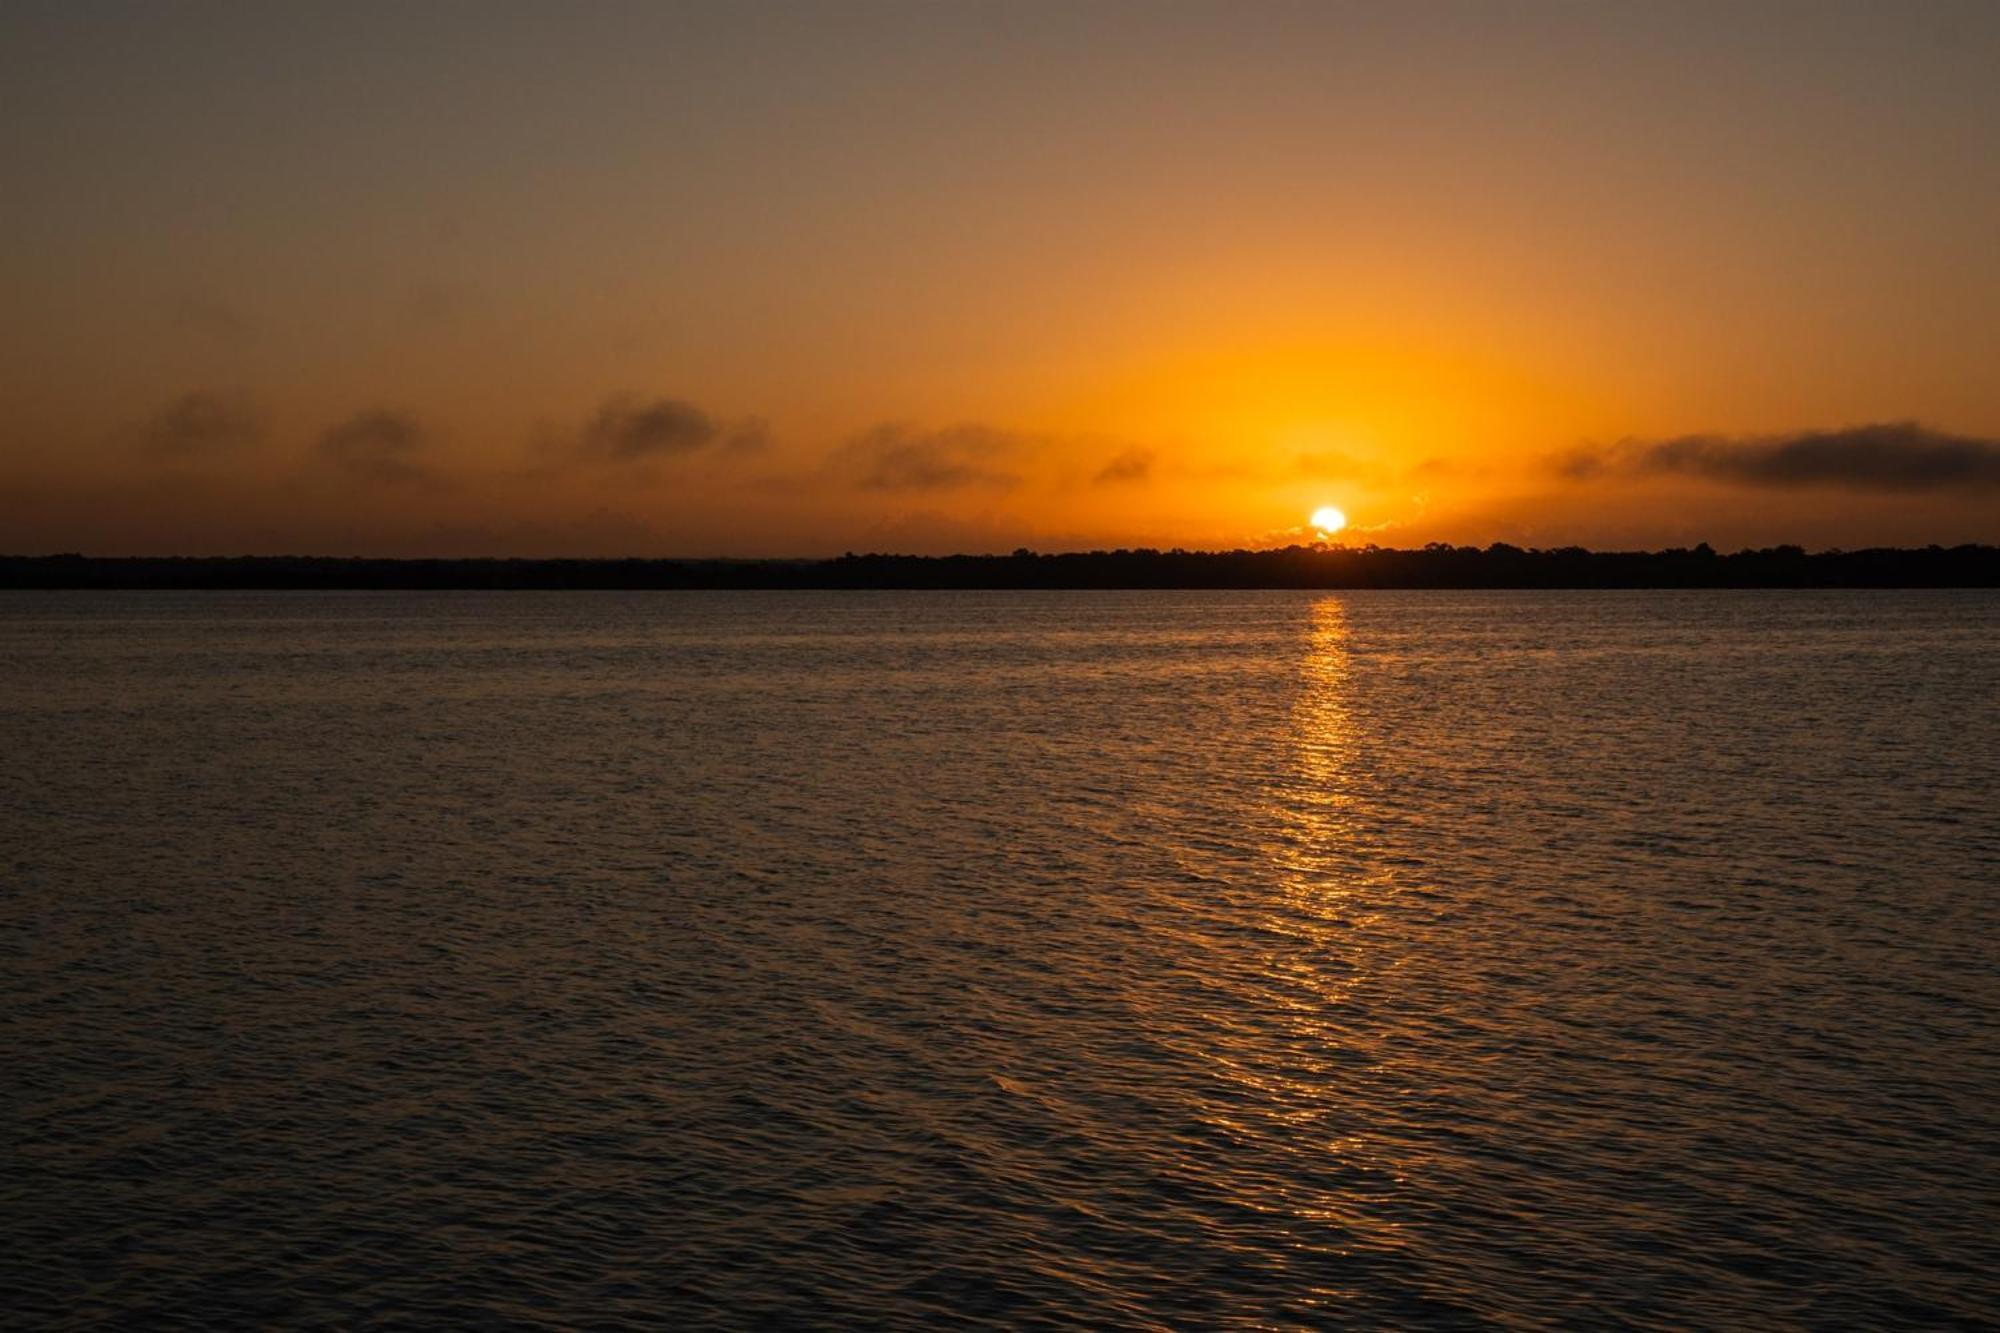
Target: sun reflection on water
{"points": [[1324, 983], [1321, 806]]}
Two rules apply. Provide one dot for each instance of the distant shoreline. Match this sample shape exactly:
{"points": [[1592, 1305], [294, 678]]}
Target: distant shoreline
{"points": [[1436, 566]]}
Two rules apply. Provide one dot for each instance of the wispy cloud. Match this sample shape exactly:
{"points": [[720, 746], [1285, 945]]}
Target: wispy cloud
{"points": [[1890, 456], [628, 429], [201, 424], [378, 446], [1134, 464], [624, 429], [900, 458]]}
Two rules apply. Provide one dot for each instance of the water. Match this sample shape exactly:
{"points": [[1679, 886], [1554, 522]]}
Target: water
{"points": [[1189, 960]]}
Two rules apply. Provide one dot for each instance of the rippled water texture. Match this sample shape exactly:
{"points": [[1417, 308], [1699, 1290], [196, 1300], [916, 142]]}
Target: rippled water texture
{"points": [[878, 959]]}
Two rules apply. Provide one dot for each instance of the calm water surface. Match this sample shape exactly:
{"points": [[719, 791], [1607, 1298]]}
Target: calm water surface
{"points": [[1150, 959]]}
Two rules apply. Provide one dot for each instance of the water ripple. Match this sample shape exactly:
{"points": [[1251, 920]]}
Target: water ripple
{"points": [[1012, 960]]}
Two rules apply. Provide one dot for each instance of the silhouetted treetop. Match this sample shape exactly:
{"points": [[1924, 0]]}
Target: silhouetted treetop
{"points": [[1438, 565]]}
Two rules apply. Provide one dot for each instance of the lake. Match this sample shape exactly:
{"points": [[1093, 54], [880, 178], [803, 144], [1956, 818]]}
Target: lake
{"points": [[889, 959]]}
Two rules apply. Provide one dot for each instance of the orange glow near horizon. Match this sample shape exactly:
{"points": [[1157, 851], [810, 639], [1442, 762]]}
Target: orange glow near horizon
{"points": [[923, 280]]}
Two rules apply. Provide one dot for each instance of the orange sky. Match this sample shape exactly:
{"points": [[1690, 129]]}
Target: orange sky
{"points": [[537, 279]]}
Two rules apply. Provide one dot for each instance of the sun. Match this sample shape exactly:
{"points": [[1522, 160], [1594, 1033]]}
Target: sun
{"points": [[1328, 520]]}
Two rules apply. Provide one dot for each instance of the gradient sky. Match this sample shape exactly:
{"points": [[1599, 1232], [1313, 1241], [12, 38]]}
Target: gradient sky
{"points": [[507, 278]]}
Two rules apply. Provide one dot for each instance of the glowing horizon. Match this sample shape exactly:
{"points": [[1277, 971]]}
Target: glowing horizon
{"points": [[708, 282]]}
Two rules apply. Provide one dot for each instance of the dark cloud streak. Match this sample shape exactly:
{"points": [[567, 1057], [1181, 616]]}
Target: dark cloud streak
{"points": [[200, 424], [897, 458], [1891, 456], [1131, 465], [378, 446], [628, 430]]}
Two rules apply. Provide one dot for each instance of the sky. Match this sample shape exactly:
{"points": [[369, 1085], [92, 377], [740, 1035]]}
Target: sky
{"points": [[750, 279]]}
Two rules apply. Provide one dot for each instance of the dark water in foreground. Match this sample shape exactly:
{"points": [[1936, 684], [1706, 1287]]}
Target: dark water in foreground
{"points": [[1177, 959]]}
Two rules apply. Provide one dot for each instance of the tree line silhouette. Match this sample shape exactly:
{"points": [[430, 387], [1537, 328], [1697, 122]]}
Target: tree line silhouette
{"points": [[1435, 566]]}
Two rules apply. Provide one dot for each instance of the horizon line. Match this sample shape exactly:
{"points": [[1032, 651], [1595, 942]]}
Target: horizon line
{"points": [[1496, 548]]}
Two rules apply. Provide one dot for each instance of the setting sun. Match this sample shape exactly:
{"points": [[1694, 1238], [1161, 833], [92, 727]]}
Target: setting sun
{"points": [[1328, 520]]}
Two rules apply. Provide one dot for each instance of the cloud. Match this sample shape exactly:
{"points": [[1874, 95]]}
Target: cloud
{"points": [[898, 458], [624, 429], [627, 430], [198, 424], [378, 446], [747, 436], [1131, 465], [1889, 456]]}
